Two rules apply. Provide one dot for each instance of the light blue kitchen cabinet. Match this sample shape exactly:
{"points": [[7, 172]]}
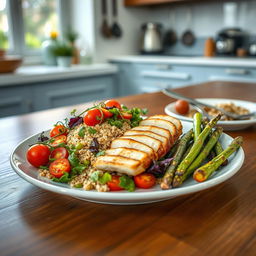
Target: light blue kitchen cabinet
{"points": [[15, 100], [20, 99], [75, 91], [144, 77]]}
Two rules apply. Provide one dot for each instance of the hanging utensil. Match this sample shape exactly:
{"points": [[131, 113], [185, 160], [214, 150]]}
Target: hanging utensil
{"points": [[105, 29], [170, 37], [115, 29], [188, 37]]}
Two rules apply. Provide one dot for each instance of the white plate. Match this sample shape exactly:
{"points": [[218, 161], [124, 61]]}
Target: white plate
{"points": [[227, 125], [140, 196]]}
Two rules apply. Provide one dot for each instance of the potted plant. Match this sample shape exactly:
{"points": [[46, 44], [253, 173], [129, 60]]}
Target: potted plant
{"points": [[64, 53], [71, 37]]}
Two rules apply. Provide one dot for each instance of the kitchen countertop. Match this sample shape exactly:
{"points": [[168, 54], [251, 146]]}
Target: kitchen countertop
{"points": [[213, 222], [189, 60], [31, 74]]}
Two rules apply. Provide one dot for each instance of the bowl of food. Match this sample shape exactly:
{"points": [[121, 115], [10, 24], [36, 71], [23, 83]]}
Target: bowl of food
{"points": [[181, 109]]}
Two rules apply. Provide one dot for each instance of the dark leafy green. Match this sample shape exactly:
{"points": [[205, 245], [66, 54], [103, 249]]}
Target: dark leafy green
{"points": [[63, 179], [127, 183], [81, 132]]}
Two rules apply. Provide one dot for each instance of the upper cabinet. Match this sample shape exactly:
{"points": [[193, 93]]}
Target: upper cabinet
{"points": [[150, 2]]}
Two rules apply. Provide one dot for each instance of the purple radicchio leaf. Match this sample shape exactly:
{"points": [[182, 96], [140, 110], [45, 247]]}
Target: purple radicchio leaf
{"points": [[94, 147], [158, 168], [74, 121], [42, 137]]}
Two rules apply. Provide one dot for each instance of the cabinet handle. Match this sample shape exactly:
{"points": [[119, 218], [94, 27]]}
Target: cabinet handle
{"points": [[163, 67], [29, 105], [232, 71], [171, 75]]}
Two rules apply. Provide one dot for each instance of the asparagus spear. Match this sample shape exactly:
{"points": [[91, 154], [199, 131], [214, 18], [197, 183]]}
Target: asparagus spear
{"points": [[218, 149], [197, 146], [197, 124], [173, 149], [200, 158], [167, 179], [205, 171], [206, 150]]}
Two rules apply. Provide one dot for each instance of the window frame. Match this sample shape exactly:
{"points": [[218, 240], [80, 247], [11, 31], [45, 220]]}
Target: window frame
{"points": [[16, 34]]}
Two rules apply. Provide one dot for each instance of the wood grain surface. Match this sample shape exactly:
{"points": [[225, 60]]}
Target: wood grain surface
{"points": [[217, 221]]}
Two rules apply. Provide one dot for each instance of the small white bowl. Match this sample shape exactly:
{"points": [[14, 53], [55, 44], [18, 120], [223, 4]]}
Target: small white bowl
{"points": [[227, 125]]}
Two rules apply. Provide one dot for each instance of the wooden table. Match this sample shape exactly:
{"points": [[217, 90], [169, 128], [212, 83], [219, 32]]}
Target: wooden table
{"points": [[217, 221]]}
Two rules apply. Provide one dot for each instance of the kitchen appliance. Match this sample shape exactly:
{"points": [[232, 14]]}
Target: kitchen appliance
{"points": [[229, 40], [252, 49], [151, 42]]}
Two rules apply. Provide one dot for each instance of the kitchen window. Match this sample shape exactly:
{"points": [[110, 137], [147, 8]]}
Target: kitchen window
{"points": [[25, 24]]}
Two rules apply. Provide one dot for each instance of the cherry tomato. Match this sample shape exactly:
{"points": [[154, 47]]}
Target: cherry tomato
{"points": [[145, 180], [106, 113], [181, 107], [38, 155], [58, 130], [114, 183], [58, 140], [93, 117], [126, 115], [59, 153], [59, 166], [112, 104]]}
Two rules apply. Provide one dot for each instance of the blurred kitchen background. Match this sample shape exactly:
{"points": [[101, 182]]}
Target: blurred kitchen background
{"points": [[55, 53]]}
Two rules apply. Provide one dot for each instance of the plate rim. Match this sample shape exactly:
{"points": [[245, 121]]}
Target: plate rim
{"points": [[139, 196], [235, 123]]}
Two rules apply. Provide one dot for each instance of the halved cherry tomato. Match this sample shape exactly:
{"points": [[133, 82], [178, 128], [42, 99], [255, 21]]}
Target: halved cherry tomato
{"points": [[106, 113], [126, 115], [59, 153], [112, 104], [145, 180], [59, 166], [38, 155], [58, 130], [114, 183], [58, 140], [181, 107], [93, 116]]}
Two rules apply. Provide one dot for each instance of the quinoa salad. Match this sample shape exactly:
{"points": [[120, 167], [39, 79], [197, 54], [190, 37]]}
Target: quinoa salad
{"points": [[76, 142]]}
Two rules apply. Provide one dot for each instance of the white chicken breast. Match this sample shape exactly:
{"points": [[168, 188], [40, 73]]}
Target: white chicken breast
{"points": [[130, 153], [133, 152], [162, 124]]}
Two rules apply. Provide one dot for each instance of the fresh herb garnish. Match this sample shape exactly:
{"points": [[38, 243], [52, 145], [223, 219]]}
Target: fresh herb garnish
{"points": [[63, 179], [81, 132], [43, 167], [101, 178], [101, 153], [80, 185], [127, 183], [92, 130], [117, 123]]}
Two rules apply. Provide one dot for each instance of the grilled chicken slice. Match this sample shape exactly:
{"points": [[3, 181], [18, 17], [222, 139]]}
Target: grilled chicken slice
{"points": [[156, 144], [119, 164], [162, 124], [160, 131], [174, 120], [129, 143], [131, 153], [165, 142]]}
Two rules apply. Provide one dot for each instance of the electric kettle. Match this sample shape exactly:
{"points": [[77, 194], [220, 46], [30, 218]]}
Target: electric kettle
{"points": [[151, 42]]}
